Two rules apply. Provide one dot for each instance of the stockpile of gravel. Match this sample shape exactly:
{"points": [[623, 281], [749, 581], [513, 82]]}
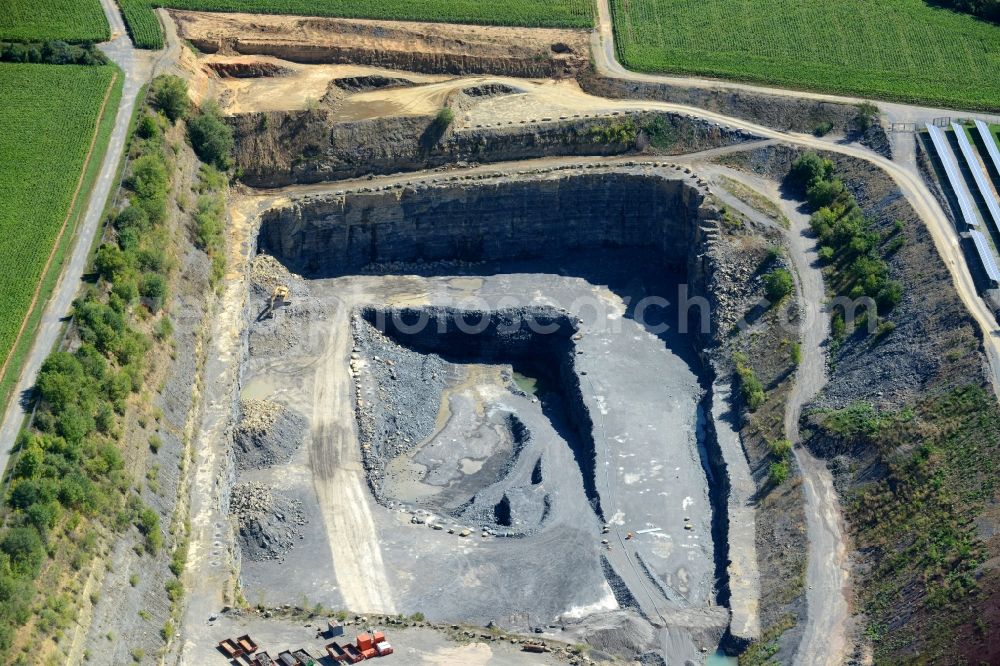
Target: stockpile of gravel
{"points": [[269, 523], [266, 273], [267, 434], [408, 387], [356, 84]]}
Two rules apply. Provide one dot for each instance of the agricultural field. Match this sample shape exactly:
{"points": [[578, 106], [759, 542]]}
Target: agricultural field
{"points": [[146, 32], [903, 50], [48, 125], [41, 20]]}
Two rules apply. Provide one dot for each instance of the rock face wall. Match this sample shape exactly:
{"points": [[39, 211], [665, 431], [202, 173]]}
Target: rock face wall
{"points": [[274, 149], [488, 221], [532, 65]]}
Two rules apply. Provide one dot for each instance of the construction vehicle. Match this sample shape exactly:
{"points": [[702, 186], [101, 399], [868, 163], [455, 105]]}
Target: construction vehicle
{"points": [[278, 298]]}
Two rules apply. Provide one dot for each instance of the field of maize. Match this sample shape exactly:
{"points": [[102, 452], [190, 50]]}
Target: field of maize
{"points": [[47, 122], [42, 20], [903, 50], [146, 32]]}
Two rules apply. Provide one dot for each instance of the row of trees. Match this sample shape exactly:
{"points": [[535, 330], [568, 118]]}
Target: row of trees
{"points": [[848, 243], [52, 53]]}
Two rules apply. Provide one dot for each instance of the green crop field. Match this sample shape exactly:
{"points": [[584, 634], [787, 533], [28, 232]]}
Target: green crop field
{"points": [[47, 122], [146, 32], [895, 49], [41, 20]]}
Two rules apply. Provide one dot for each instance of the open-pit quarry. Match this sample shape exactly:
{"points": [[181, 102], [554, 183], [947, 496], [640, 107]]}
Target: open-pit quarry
{"points": [[493, 413], [463, 366]]}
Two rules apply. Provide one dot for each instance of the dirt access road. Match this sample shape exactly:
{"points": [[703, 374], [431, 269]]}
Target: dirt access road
{"points": [[828, 568]]}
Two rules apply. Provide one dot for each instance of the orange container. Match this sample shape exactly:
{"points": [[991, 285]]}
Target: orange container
{"points": [[364, 642], [378, 637], [369, 653]]}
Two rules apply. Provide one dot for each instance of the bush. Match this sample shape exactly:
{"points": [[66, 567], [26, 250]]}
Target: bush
{"points": [[778, 472], [24, 547], [149, 181], [823, 129], [781, 448], [179, 558], [211, 137], [210, 179], [209, 222], [867, 115], [148, 522], [147, 127], [750, 387], [445, 117], [170, 95], [778, 284], [164, 328], [809, 169], [175, 590], [110, 262], [132, 218], [824, 192], [153, 287], [885, 328]]}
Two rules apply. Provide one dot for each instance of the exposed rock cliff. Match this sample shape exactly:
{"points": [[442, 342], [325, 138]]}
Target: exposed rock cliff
{"points": [[489, 220], [280, 148]]}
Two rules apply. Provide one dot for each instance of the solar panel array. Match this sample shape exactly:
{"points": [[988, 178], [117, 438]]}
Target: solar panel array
{"points": [[947, 157], [986, 255], [991, 144], [982, 182]]}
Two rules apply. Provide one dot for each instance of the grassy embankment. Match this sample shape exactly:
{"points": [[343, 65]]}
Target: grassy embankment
{"points": [[904, 50]]}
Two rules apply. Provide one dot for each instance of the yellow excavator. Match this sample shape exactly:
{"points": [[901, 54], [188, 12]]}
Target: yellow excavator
{"points": [[278, 298]]}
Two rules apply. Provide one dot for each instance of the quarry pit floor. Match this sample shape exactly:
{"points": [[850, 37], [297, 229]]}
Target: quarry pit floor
{"points": [[645, 396]]}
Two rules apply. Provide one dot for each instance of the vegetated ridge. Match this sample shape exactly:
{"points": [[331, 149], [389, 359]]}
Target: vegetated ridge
{"points": [[903, 49]]}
